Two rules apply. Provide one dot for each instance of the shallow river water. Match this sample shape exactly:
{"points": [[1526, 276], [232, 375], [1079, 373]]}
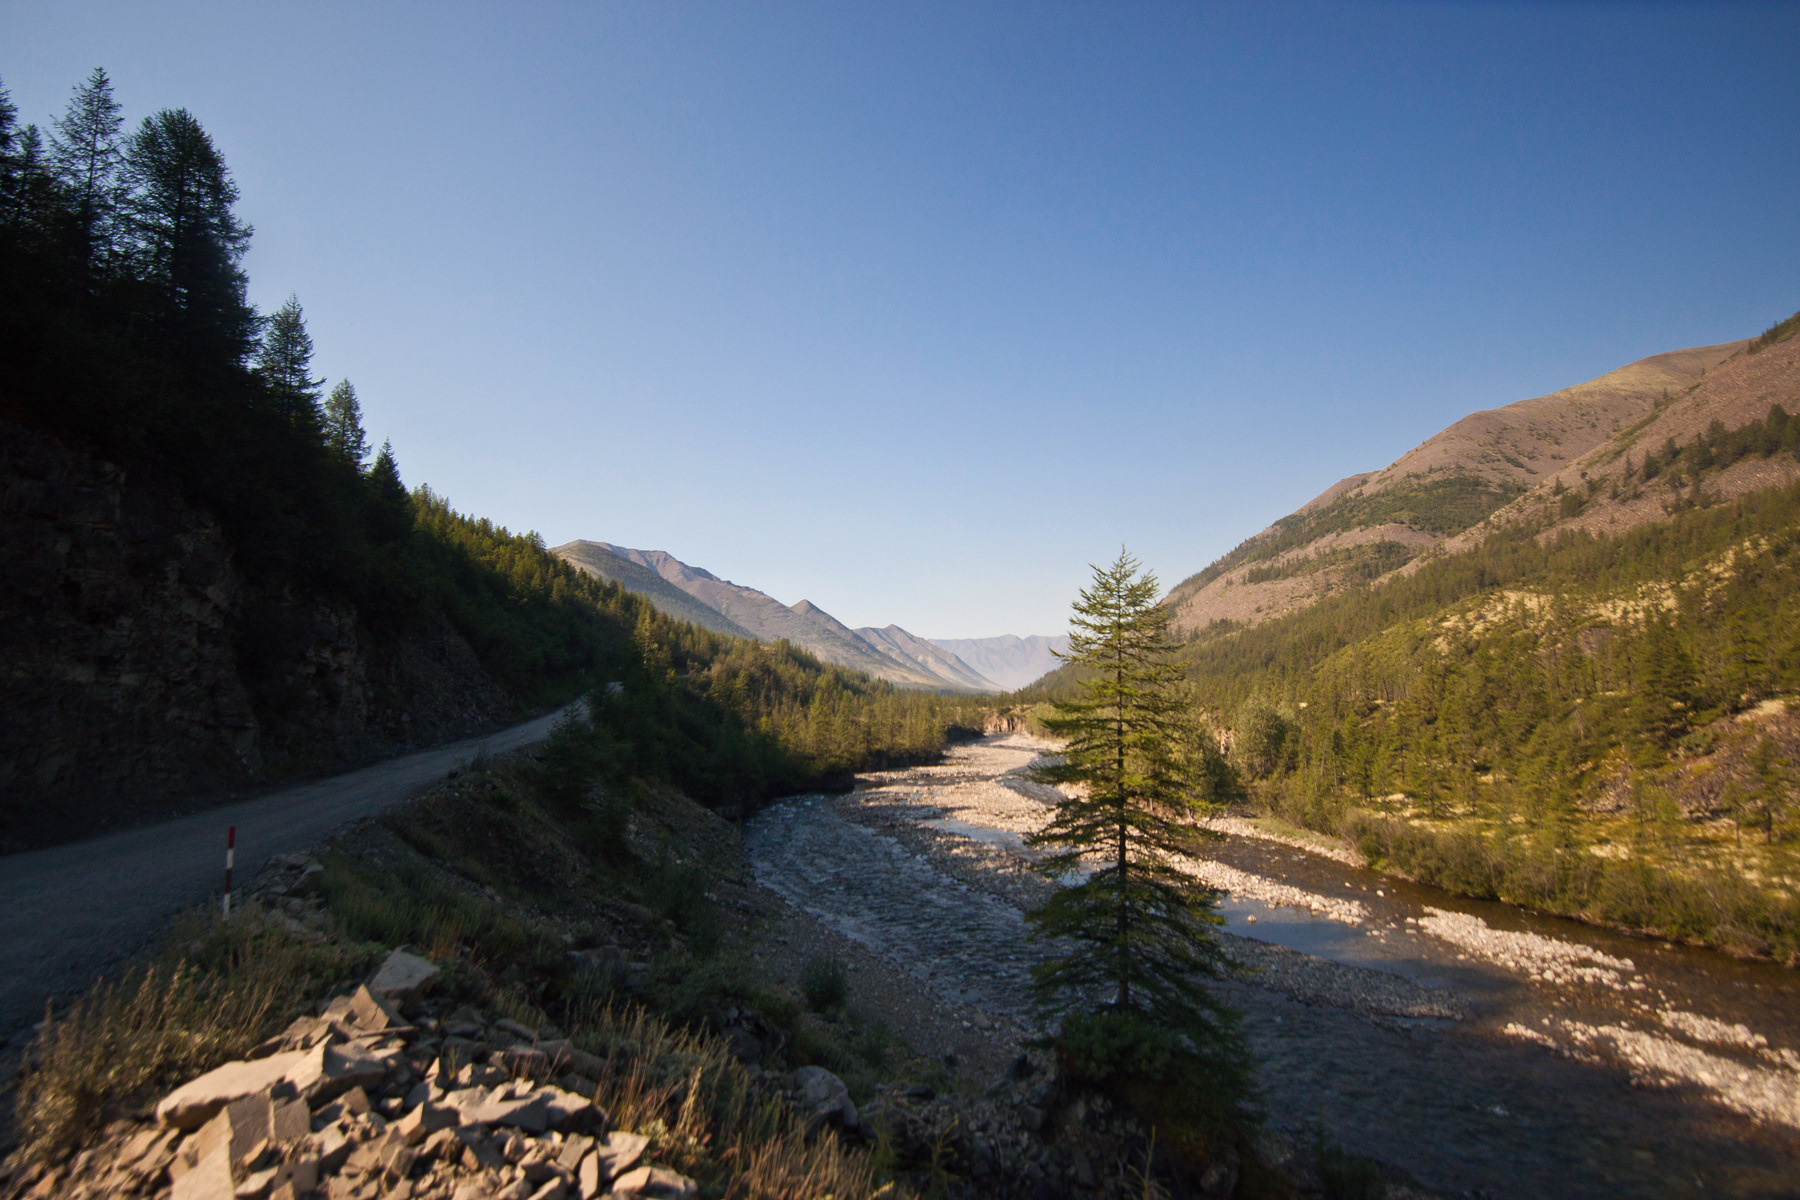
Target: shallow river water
{"points": [[1481, 1048]]}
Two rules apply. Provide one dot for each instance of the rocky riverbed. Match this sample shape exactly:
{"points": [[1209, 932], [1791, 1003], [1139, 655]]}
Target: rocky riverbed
{"points": [[1478, 1057]]}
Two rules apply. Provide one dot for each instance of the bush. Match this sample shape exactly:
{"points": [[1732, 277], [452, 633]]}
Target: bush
{"points": [[825, 983]]}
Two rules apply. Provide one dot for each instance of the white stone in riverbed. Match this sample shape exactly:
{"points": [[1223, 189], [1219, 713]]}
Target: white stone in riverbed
{"points": [[1543, 959]]}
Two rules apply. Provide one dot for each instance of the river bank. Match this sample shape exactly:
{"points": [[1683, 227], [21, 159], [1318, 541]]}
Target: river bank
{"points": [[1473, 1046]]}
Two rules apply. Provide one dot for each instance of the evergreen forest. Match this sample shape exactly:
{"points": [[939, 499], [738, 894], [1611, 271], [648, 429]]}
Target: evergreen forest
{"points": [[1578, 723]]}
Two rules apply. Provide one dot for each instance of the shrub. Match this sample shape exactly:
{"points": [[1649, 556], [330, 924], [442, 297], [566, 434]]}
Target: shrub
{"points": [[824, 982]]}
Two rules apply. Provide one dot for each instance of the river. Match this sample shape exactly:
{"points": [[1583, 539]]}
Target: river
{"points": [[1478, 1047]]}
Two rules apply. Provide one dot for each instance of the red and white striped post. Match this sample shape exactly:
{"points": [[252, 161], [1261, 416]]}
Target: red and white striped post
{"points": [[230, 853]]}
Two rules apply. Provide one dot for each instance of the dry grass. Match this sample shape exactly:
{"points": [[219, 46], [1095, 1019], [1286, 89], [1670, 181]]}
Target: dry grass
{"points": [[156, 1025], [704, 1116]]}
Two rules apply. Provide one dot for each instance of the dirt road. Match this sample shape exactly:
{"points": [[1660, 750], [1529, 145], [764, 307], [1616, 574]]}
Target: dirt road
{"points": [[68, 911]]}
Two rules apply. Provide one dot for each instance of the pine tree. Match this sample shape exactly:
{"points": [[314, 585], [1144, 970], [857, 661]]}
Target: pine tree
{"points": [[343, 424], [186, 241], [285, 364], [1136, 937], [85, 152]]}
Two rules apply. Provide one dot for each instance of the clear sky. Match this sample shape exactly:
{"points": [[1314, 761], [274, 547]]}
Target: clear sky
{"points": [[915, 310]]}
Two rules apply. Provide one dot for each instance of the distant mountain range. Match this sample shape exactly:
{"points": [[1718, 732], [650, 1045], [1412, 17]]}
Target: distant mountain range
{"points": [[692, 594], [1010, 661]]}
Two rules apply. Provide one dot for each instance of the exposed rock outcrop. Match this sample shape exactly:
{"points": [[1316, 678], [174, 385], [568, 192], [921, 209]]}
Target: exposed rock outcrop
{"points": [[144, 673]]}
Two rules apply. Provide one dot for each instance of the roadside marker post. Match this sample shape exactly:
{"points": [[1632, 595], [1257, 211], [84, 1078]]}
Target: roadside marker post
{"points": [[230, 853]]}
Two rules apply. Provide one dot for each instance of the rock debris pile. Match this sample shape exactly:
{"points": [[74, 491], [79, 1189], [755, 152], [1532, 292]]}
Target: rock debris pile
{"points": [[381, 1095]]}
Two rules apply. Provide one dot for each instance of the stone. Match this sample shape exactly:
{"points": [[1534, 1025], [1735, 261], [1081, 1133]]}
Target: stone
{"points": [[425, 1120], [369, 1014], [402, 977], [518, 1189], [824, 1095], [337, 1069], [555, 1189], [289, 1121], [660, 1183], [333, 1147], [568, 1112], [588, 1177], [478, 1152], [256, 1185], [572, 1151], [210, 1178], [302, 1174], [523, 1032], [616, 1154], [565, 1057], [198, 1101]]}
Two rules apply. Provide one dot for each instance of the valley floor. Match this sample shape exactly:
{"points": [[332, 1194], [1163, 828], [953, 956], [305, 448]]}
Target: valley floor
{"points": [[1477, 1051]]}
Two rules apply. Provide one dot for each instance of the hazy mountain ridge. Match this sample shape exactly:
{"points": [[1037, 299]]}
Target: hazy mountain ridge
{"points": [[694, 594], [909, 649], [1009, 660], [1368, 525]]}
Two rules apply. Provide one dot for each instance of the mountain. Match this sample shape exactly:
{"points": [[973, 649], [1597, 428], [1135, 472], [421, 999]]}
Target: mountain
{"points": [[920, 654], [1363, 527], [1606, 489], [599, 560], [1008, 660], [892, 653]]}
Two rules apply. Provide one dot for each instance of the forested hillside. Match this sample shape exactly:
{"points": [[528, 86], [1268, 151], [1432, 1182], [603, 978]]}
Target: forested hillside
{"points": [[1590, 704], [1367, 525], [211, 581]]}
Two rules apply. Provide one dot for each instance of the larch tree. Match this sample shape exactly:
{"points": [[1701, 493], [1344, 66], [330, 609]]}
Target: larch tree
{"points": [[343, 424], [185, 240], [285, 364], [1133, 941], [86, 154]]}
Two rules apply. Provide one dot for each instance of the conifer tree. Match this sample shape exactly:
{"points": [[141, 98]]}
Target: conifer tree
{"points": [[1135, 938], [185, 240], [343, 424], [285, 364], [393, 507], [85, 152]]}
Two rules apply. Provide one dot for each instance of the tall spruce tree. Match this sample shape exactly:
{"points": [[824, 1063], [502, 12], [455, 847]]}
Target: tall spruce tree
{"points": [[285, 364], [343, 424], [1135, 939], [85, 152]]}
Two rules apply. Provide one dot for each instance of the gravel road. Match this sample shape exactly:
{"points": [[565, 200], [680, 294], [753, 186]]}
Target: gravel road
{"points": [[68, 911]]}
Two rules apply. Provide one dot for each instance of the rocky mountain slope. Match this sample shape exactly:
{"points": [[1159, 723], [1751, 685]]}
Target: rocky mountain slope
{"points": [[601, 561], [1009, 660], [1633, 478], [145, 673], [1368, 525], [892, 653]]}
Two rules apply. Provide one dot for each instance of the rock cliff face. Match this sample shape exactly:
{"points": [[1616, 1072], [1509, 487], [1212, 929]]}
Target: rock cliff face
{"points": [[145, 675]]}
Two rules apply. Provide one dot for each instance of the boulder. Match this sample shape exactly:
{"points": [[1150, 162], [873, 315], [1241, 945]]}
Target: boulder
{"points": [[401, 977], [824, 1096], [198, 1101]]}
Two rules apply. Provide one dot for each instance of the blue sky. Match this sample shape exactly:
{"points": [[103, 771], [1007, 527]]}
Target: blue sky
{"points": [[915, 310]]}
